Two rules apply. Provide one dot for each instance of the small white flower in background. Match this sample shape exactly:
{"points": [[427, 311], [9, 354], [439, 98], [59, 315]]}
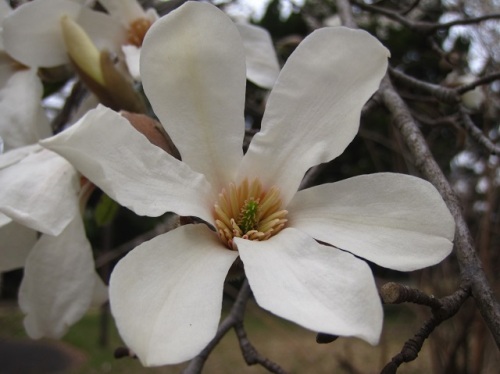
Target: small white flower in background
{"points": [[472, 99], [166, 294], [136, 22]]}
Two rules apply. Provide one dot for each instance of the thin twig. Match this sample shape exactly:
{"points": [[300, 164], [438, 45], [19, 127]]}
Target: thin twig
{"points": [[409, 8], [444, 94], [395, 293], [452, 96], [444, 309], [251, 355], [477, 134], [479, 82], [74, 99], [421, 26]]}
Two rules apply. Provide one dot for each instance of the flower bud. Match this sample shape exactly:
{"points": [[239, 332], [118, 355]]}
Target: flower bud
{"points": [[81, 49]]}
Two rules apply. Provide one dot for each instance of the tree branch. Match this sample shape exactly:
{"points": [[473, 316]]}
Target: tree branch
{"points": [[251, 355], [472, 274], [395, 293], [420, 26], [442, 309], [476, 133], [444, 94], [479, 82]]}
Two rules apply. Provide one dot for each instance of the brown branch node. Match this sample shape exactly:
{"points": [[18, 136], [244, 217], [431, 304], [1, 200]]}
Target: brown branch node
{"points": [[395, 293]]}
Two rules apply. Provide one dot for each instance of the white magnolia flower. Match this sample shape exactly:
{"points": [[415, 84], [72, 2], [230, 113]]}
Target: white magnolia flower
{"points": [[166, 294], [473, 99], [40, 193]]}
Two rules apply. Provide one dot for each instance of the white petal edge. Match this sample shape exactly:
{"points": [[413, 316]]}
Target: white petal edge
{"points": [[394, 220], [7, 65], [166, 294], [318, 287], [16, 242], [313, 111], [58, 282], [4, 220], [193, 73], [39, 191], [18, 154], [107, 150], [132, 59], [32, 32], [100, 294], [261, 59]]}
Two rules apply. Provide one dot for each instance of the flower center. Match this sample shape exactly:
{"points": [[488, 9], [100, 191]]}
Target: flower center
{"points": [[137, 31], [248, 212]]}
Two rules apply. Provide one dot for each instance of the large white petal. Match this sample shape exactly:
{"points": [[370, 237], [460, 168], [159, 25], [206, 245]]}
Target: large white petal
{"points": [[105, 148], [395, 220], [261, 60], [58, 282], [16, 242], [318, 287], [193, 72], [23, 120], [166, 295], [313, 110], [32, 32], [40, 191]]}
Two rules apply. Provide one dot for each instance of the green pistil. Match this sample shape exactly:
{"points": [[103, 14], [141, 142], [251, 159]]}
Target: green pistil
{"points": [[249, 215]]}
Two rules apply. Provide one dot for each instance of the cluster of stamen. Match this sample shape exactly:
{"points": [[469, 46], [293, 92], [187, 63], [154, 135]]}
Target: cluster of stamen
{"points": [[247, 211], [137, 31]]}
